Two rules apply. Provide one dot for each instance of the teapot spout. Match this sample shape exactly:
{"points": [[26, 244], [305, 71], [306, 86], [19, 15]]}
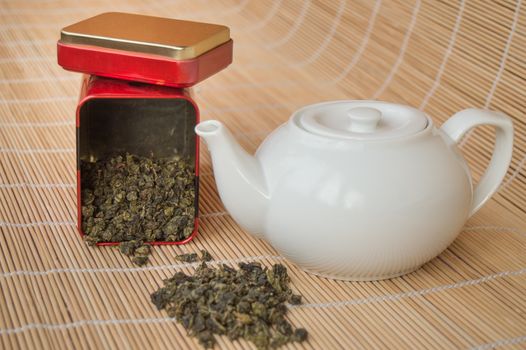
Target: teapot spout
{"points": [[239, 177]]}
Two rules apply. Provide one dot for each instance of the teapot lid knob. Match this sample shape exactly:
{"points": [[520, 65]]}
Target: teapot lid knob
{"points": [[364, 119]]}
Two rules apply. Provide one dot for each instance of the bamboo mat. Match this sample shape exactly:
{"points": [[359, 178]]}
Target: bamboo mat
{"points": [[440, 56]]}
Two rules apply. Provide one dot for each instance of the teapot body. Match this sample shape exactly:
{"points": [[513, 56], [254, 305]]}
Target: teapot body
{"points": [[357, 190], [363, 210]]}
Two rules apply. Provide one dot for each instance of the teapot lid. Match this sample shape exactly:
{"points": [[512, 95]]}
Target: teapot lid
{"points": [[360, 120]]}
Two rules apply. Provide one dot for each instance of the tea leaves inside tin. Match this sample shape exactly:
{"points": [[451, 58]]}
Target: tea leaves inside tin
{"points": [[137, 199], [248, 302]]}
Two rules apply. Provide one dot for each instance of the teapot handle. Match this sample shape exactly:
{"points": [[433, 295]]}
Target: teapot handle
{"points": [[467, 119]]}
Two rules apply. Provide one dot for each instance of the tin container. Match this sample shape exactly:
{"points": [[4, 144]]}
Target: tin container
{"points": [[148, 49], [116, 116]]}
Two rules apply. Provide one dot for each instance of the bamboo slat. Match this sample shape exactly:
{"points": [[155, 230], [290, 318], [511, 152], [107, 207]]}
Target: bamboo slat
{"points": [[439, 56]]}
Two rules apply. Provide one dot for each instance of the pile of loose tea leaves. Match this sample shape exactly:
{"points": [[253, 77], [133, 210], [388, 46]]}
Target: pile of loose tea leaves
{"points": [[137, 199], [247, 303]]}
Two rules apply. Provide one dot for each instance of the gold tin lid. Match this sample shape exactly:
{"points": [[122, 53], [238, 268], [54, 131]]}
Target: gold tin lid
{"points": [[172, 38]]}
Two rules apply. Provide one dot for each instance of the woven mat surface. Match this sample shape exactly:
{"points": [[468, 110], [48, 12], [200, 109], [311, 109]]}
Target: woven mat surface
{"points": [[439, 56]]}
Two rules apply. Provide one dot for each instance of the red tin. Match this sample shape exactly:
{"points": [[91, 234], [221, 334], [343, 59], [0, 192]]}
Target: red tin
{"points": [[143, 67], [112, 115]]}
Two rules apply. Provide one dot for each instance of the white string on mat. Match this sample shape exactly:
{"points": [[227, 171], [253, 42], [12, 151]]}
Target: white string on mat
{"points": [[36, 224], [361, 48], [229, 87], [382, 298], [510, 179], [37, 124], [230, 10], [24, 59], [37, 100], [5, 27], [72, 223], [320, 48], [449, 51], [25, 42], [353, 61], [318, 51], [59, 185], [69, 77], [137, 269], [73, 150], [344, 303], [496, 228], [8, 26], [401, 53], [249, 107], [316, 54], [93, 10], [261, 257], [327, 39], [412, 294], [399, 59], [258, 25], [37, 185], [153, 320], [371, 22], [238, 108], [276, 4], [293, 29], [515, 173], [500, 342], [365, 39], [76, 324], [37, 150], [505, 54], [36, 80], [502, 64], [72, 122], [400, 56]]}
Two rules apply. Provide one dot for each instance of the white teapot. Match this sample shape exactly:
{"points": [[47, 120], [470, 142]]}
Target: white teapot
{"points": [[357, 190]]}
